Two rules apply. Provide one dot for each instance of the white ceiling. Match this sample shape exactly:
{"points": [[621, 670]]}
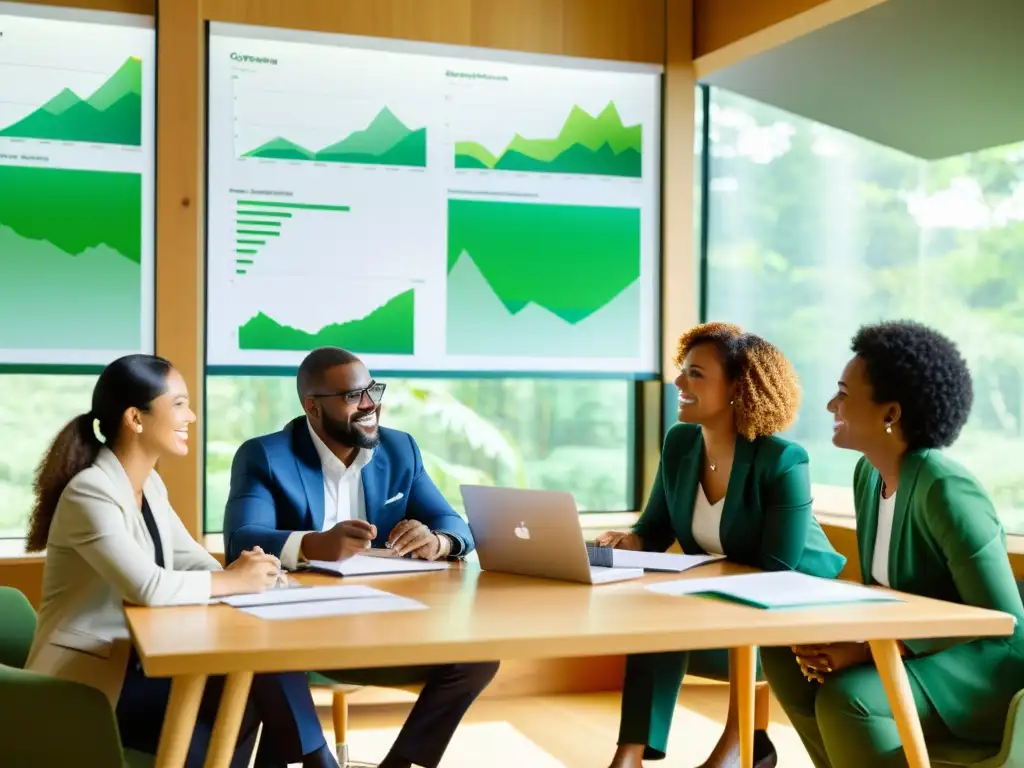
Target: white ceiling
{"points": [[934, 78]]}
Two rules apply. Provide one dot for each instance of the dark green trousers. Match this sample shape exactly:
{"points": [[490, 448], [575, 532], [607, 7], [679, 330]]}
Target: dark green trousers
{"points": [[847, 721], [650, 691]]}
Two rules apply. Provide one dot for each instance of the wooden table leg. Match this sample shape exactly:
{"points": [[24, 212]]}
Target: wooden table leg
{"points": [[229, 718], [743, 677], [901, 700], [180, 720]]}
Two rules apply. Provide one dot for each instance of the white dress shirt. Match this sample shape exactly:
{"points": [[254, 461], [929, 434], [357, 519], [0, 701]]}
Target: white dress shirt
{"points": [[707, 522], [343, 495], [883, 537]]}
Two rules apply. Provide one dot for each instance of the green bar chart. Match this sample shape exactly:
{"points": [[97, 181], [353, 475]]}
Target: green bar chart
{"points": [[257, 222]]}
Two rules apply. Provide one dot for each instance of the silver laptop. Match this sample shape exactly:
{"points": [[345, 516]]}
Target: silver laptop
{"points": [[533, 533]]}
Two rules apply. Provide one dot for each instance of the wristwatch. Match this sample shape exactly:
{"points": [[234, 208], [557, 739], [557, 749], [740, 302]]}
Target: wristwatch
{"points": [[447, 544]]}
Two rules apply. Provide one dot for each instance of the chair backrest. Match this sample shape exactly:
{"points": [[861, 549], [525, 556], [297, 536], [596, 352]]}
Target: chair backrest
{"points": [[17, 627]]}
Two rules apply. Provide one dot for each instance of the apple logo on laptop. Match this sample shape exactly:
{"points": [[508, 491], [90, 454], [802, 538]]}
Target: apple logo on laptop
{"points": [[522, 531]]}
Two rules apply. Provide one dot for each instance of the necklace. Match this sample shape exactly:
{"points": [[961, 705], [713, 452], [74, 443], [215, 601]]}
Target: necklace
{"points": [[712, 464]]}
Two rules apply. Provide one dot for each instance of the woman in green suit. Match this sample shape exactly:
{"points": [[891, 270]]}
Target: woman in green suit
{"points": [[924, 526], [725, 485]]}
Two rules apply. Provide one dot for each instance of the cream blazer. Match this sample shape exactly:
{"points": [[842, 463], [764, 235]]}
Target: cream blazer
{"points": [[99, 555]]}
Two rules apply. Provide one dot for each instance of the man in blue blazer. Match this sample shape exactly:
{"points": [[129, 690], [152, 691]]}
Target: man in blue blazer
{"points": [[330, 485]]}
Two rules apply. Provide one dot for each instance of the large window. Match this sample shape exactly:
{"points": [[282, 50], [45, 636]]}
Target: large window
{"points": [[33, 408], [814, 232], [566, 434]]}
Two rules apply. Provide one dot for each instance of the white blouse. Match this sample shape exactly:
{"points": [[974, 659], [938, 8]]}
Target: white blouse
{"points": [[880, 558], [707, 523]]}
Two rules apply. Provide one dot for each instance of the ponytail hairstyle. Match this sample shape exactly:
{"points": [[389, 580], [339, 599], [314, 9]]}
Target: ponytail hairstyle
{"points": [[133, 381]]}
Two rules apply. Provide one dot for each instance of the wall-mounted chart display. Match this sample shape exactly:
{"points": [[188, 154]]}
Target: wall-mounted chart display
{"points": [[430, 208], [76, 185]]}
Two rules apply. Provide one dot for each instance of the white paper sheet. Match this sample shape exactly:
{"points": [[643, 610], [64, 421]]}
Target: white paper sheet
{"points": [[301, 595], [660, 561], [781, 589], [359, 565], [324, 608]]}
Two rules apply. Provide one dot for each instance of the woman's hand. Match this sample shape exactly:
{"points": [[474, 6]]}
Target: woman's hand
{"points": [[254, 571], [816, 661], [620, 540]]}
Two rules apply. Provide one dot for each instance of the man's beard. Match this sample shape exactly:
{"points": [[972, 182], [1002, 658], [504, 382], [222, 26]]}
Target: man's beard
{"points": [[346, 434]]}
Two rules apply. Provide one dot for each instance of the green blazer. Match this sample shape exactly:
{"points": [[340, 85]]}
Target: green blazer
{"points": [[766, 518], [947, 543]]}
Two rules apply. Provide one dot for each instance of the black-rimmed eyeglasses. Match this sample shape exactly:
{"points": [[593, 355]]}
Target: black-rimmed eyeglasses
{"points": [[355, 396]]}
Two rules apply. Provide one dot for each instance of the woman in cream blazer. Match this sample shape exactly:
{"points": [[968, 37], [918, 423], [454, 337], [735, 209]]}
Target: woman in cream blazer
{"points": [[111, 537]]}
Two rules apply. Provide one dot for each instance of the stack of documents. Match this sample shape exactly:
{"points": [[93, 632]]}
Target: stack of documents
{"points": [[778, 589], [363, 565], [607, 557], [318, 602]]}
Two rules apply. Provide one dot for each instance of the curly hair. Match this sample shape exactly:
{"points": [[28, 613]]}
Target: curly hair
{"points": [[922, 370], [768, 394]]}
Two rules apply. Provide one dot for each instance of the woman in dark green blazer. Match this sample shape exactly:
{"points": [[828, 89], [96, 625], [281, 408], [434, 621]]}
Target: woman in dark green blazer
{"points": [[924, 526], [725, 485]]}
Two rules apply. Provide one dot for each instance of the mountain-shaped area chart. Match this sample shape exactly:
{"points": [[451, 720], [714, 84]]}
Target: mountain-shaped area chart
{"points": [[386, 141], [111, 115], [70, 256], [597, 146], [542, 280], [387, 330]]}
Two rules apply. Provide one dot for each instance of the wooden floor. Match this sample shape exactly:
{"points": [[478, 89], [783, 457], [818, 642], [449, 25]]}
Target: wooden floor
{"points": [[560, 731]]}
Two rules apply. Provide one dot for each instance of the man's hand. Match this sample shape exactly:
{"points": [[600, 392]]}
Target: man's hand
{"points": [[347, 538], [816, 661], [620, 540], [413, 537]]}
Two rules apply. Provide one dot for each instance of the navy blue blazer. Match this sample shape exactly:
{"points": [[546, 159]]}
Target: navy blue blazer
{"points": [[277, 488]]}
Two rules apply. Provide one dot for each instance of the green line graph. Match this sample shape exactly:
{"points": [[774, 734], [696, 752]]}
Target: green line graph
{"points": [[387, 330], [253, 232], [537, 280], [597, 146], [385, 141], [111, 115]]}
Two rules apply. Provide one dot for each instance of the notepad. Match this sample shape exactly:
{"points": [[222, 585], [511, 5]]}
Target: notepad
{"points": [[608, 557], [291, 595], [776, 590], [361, 565], [318, 609]]}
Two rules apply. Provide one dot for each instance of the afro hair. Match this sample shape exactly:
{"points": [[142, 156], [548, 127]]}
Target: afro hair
{"points": [[922, 370]]}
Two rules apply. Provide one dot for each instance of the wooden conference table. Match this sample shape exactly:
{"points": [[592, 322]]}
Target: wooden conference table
{"points": [[483, 616]]}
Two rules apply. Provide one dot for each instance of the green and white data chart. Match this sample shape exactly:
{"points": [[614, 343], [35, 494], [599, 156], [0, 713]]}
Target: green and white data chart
{"points": [[76, 185], [431, 208]]}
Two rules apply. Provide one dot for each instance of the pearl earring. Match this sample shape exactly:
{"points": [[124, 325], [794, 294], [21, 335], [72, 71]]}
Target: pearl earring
{"points": [[888, 428], [139, 429], [732, 402]]}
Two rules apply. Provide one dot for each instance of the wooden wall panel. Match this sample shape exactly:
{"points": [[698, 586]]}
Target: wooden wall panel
{"points": [[435, 21], [25, 574], [678, 286], [536, 26], [180, 179], [142, 7], [606, 29], [633, 30]]}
